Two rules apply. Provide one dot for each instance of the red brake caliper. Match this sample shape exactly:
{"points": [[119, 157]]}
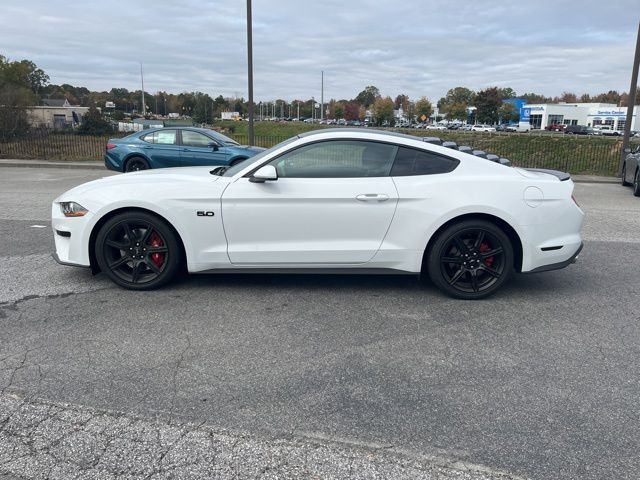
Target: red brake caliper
{"points": [[485, 248], [156, 241]]}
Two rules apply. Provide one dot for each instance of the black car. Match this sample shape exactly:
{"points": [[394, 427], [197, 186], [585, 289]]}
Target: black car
{"points": [[578, 130]]}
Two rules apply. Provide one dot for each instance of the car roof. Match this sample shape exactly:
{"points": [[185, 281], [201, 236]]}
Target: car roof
{"points": [[361, 132]]}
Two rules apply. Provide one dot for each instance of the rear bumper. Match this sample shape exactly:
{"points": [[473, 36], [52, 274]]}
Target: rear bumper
{"points": [[559, 265]]}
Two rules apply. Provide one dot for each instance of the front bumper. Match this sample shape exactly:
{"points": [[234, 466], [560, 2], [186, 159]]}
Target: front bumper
{"points": [[71, 237], [66, 264]]}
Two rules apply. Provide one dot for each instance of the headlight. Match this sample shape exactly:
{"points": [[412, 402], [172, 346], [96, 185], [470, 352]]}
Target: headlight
{"points": [[72, 209]]}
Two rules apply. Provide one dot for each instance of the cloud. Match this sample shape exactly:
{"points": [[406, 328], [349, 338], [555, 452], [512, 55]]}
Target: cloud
{"points": [[416, 47]]}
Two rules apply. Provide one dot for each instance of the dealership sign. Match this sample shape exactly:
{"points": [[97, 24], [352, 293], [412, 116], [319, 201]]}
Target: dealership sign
{"points": [[525, 114]]}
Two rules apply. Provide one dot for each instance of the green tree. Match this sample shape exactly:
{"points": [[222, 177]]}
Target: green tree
{"points": [[508, 113], [535, 98], [423, 107], [456, 102], [487, 104], [368, 96], [93, 123], [506, 93], [383, 111]]}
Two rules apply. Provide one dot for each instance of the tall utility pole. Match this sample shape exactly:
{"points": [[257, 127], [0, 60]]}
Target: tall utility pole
{"points": [[250, 68], [631, 102], [144, 109], [321, 94]]}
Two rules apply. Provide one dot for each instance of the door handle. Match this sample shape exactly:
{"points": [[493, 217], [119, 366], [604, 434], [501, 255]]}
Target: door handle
{"points": [[186, 149], [372, 197]]}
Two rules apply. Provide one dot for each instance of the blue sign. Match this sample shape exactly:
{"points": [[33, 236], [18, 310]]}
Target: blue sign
{"points": [[525, 114]]}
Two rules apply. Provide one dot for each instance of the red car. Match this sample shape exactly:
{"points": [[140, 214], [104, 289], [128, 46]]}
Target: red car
{"points": [[556, 127]]}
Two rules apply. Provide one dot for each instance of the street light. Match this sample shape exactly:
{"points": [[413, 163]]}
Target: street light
{"points": [[250, 69]]}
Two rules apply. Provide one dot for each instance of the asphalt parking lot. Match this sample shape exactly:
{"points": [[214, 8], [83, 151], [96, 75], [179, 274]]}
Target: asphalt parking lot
{"points": [[317, 376]]}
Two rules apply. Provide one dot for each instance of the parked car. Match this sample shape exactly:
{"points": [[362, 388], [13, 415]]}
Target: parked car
{"points": [[174, 147], [607, 130], [521, 127], [483, 128], [631, 170], [435, 126], [578, 130], [556, 127], [349, 200]]}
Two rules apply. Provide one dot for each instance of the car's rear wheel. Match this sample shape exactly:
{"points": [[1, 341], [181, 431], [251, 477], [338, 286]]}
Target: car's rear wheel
{"points": [[138, 251], [636, 184], [136, 163], [624, 177], [470, 259]]}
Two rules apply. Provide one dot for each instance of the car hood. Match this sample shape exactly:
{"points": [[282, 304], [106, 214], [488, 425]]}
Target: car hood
{"points": [[156, 179]]}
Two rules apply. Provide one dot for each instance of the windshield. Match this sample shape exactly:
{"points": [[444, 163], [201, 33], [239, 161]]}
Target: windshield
{"points": [[221, 138], [231, 171]]}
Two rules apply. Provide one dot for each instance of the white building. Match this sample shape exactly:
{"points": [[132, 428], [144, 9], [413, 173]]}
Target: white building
{"points": [[589, 114]]}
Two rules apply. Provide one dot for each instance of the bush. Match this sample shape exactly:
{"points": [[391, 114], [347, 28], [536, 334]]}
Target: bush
{"points": [[93, 123]]}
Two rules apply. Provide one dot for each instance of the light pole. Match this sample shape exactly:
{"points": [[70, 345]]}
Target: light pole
{"points": [[631, 102], [250, 68], [321, 94]]}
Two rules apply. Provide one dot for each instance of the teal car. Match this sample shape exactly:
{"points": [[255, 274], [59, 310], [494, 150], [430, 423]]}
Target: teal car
{"points": [[174, 147]]}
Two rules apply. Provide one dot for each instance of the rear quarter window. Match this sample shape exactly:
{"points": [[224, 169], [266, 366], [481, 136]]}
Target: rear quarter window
{"points": [[419, 162]]}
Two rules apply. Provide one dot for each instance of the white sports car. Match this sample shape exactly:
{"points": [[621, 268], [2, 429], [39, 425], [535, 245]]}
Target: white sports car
{"points": [[327, 201]]}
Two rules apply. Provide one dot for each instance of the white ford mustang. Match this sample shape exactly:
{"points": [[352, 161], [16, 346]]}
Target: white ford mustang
{"points": [[328, 201]]}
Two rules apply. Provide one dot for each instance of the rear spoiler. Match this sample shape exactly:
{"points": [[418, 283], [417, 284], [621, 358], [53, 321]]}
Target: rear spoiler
{"points": [[562, 176]]}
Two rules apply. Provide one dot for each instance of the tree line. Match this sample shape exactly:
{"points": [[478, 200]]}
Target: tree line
{"points": [[23, 84]]}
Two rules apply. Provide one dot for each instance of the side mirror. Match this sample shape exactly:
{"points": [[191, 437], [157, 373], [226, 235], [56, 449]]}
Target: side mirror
{"points": [[213, 146], [268, 172], [627, 150]]}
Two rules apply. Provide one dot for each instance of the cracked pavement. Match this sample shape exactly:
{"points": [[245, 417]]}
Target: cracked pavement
{"points": [[316, 377]]}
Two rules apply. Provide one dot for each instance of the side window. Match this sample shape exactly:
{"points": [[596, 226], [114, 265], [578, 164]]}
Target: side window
{"points": [[165, 137], [147, 138], [418, 162], [195, 139], [337, 159]]}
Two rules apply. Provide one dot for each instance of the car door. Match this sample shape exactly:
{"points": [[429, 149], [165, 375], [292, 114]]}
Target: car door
{"points": [[161, 147], [332, 204], [196, 150]]}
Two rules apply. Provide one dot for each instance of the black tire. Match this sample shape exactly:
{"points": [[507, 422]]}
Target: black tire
{"points": [[136, 163], [636, 184], [138, 251], [624, 174], [470, 259]]}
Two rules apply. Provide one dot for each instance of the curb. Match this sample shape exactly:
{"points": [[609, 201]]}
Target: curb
{"points": [[93, 165], [89, 165]]}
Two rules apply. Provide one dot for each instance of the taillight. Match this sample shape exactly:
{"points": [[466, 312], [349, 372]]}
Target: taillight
{"points": [[111, 145]]}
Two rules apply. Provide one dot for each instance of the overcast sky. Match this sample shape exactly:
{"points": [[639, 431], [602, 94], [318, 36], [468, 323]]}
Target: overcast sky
{"points": [[413, 47]]}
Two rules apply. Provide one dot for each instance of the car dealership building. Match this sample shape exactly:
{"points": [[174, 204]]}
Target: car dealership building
{"points": [[589, 114]]}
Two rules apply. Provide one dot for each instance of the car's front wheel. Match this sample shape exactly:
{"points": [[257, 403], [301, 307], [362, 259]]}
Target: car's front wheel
{"points": [[470, 259], [138, 251], [636, 184]]}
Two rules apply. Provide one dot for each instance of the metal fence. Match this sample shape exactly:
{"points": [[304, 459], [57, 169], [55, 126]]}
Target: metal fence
{"points": [[570, 153]]}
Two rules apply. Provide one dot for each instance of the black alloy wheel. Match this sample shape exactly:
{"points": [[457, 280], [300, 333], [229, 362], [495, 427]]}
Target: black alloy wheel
{"points": [[135, 164], [636, 184], [470, 259], [138, 251], [624, 175]]}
